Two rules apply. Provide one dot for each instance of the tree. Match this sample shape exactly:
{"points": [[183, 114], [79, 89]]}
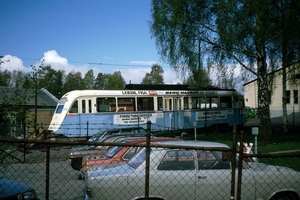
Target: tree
{"points": [[89, 80], [5, 78], [115, 81], [74, 81], [101, 81], [155, 76], [232, 32], [50, 79]]}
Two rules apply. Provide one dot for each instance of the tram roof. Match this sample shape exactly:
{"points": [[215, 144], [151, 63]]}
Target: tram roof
{"points": [[169, 87]]}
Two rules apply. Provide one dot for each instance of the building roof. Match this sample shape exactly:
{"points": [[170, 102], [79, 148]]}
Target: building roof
{"points": [[26, 97]]}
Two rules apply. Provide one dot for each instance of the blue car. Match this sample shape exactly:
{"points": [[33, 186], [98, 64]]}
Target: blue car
{"points": [[13, 190]]}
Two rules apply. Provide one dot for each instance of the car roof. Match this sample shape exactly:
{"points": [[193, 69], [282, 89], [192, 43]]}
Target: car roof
{"points": [[152, 139], [125, 134], [191, 143]]}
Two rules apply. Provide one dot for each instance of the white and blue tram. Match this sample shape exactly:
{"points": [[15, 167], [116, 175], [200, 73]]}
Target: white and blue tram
{"points": [[82, 113]]}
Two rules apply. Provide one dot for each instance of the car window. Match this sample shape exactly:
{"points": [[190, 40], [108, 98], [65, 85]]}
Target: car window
{"points": [[112, 151], [138, 159], [211, 160], [130, 153], [177, 160]]}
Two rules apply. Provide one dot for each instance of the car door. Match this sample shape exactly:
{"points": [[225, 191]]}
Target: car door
{"points": [[174, 176], [213, 178]]}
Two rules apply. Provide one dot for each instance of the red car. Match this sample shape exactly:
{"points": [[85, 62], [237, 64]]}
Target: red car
{"points": [[116, 154]]}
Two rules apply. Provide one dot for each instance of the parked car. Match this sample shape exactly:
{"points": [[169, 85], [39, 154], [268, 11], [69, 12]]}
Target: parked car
{"points": [[77, 153], [116, 154], [179, 173], [10, 190]]}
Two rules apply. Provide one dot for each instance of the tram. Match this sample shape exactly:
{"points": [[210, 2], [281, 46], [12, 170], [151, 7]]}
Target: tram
{"points": [[83, 113]]}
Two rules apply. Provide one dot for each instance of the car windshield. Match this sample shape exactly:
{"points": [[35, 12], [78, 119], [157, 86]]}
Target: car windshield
{"points": [[112, 151], [96, 137], [138, 159]]}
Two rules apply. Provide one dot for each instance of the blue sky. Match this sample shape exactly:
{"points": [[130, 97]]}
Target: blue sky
{"points": [[72, 34]]}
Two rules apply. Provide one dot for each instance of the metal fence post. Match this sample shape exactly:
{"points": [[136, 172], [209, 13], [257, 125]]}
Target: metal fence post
{"points": [[233, 163], [47, 172], [147, 174], [240, 166]]}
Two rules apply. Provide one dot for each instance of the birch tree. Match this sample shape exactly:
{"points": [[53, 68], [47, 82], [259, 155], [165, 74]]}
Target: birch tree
{"points": [[232, 32]]}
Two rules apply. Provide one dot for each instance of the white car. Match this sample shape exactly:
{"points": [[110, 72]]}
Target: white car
{"points": [[190, 174]]}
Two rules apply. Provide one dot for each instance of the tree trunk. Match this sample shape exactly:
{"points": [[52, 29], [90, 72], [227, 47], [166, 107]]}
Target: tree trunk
{"points": [[284, 111], [263, 98]]}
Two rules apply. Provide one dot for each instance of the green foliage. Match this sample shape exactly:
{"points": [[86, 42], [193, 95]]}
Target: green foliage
{"points": [[155, 76], [115, 81], [101, 81], [89, 80], [50, 79], [11, 107]]}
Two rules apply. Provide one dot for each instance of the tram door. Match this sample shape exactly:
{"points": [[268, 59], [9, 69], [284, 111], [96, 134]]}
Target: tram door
{"points": [[178, 113], [168, 108], [173, 118], [168, 104]]}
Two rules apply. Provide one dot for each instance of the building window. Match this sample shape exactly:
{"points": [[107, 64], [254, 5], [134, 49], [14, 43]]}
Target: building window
{"points": [[288, 96], [296, 97]]}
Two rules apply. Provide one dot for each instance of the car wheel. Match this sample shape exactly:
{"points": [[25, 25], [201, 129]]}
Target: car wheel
{"points": [[285, 196]]}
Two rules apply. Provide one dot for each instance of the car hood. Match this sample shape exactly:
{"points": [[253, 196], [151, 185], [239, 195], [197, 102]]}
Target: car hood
{"points": [[121, 169], [10, 188]]}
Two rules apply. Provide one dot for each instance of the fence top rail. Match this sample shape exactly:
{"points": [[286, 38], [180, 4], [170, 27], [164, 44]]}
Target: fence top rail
{"points": [[49, 143]]}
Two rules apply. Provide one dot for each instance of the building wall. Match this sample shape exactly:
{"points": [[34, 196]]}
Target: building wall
{"points": [[251, 96], [44, 117]]}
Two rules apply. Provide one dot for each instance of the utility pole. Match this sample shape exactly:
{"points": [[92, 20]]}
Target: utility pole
{"points": [[35, 96]]}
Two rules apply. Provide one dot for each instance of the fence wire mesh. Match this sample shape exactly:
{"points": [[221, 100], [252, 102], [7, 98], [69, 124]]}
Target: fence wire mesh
{"points": [[174, 173]]}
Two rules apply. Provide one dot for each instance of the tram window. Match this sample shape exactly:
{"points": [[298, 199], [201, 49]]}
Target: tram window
{"points": [[186, 103], [194, 102], [59, 109], [90, 105], [225, 102], [159, 103], [74, 108], [145, 103], [214, 102], [198, 102], [83, 106], [179, 104], [126, 104], [106, 104]]}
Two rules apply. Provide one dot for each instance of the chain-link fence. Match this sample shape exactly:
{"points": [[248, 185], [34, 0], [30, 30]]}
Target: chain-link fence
{"points": [[188, 170]]}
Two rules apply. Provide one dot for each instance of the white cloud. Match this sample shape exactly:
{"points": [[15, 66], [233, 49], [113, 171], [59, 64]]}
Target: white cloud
{"points": [[53, 57], [11, 63], [134, 74], [142, 62]]}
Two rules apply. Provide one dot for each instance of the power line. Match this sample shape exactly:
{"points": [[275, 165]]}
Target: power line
{"points": [[100, 63]]}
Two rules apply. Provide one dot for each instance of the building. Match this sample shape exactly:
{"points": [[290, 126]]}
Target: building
{"points": [[18, 107], [292, 92]]}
